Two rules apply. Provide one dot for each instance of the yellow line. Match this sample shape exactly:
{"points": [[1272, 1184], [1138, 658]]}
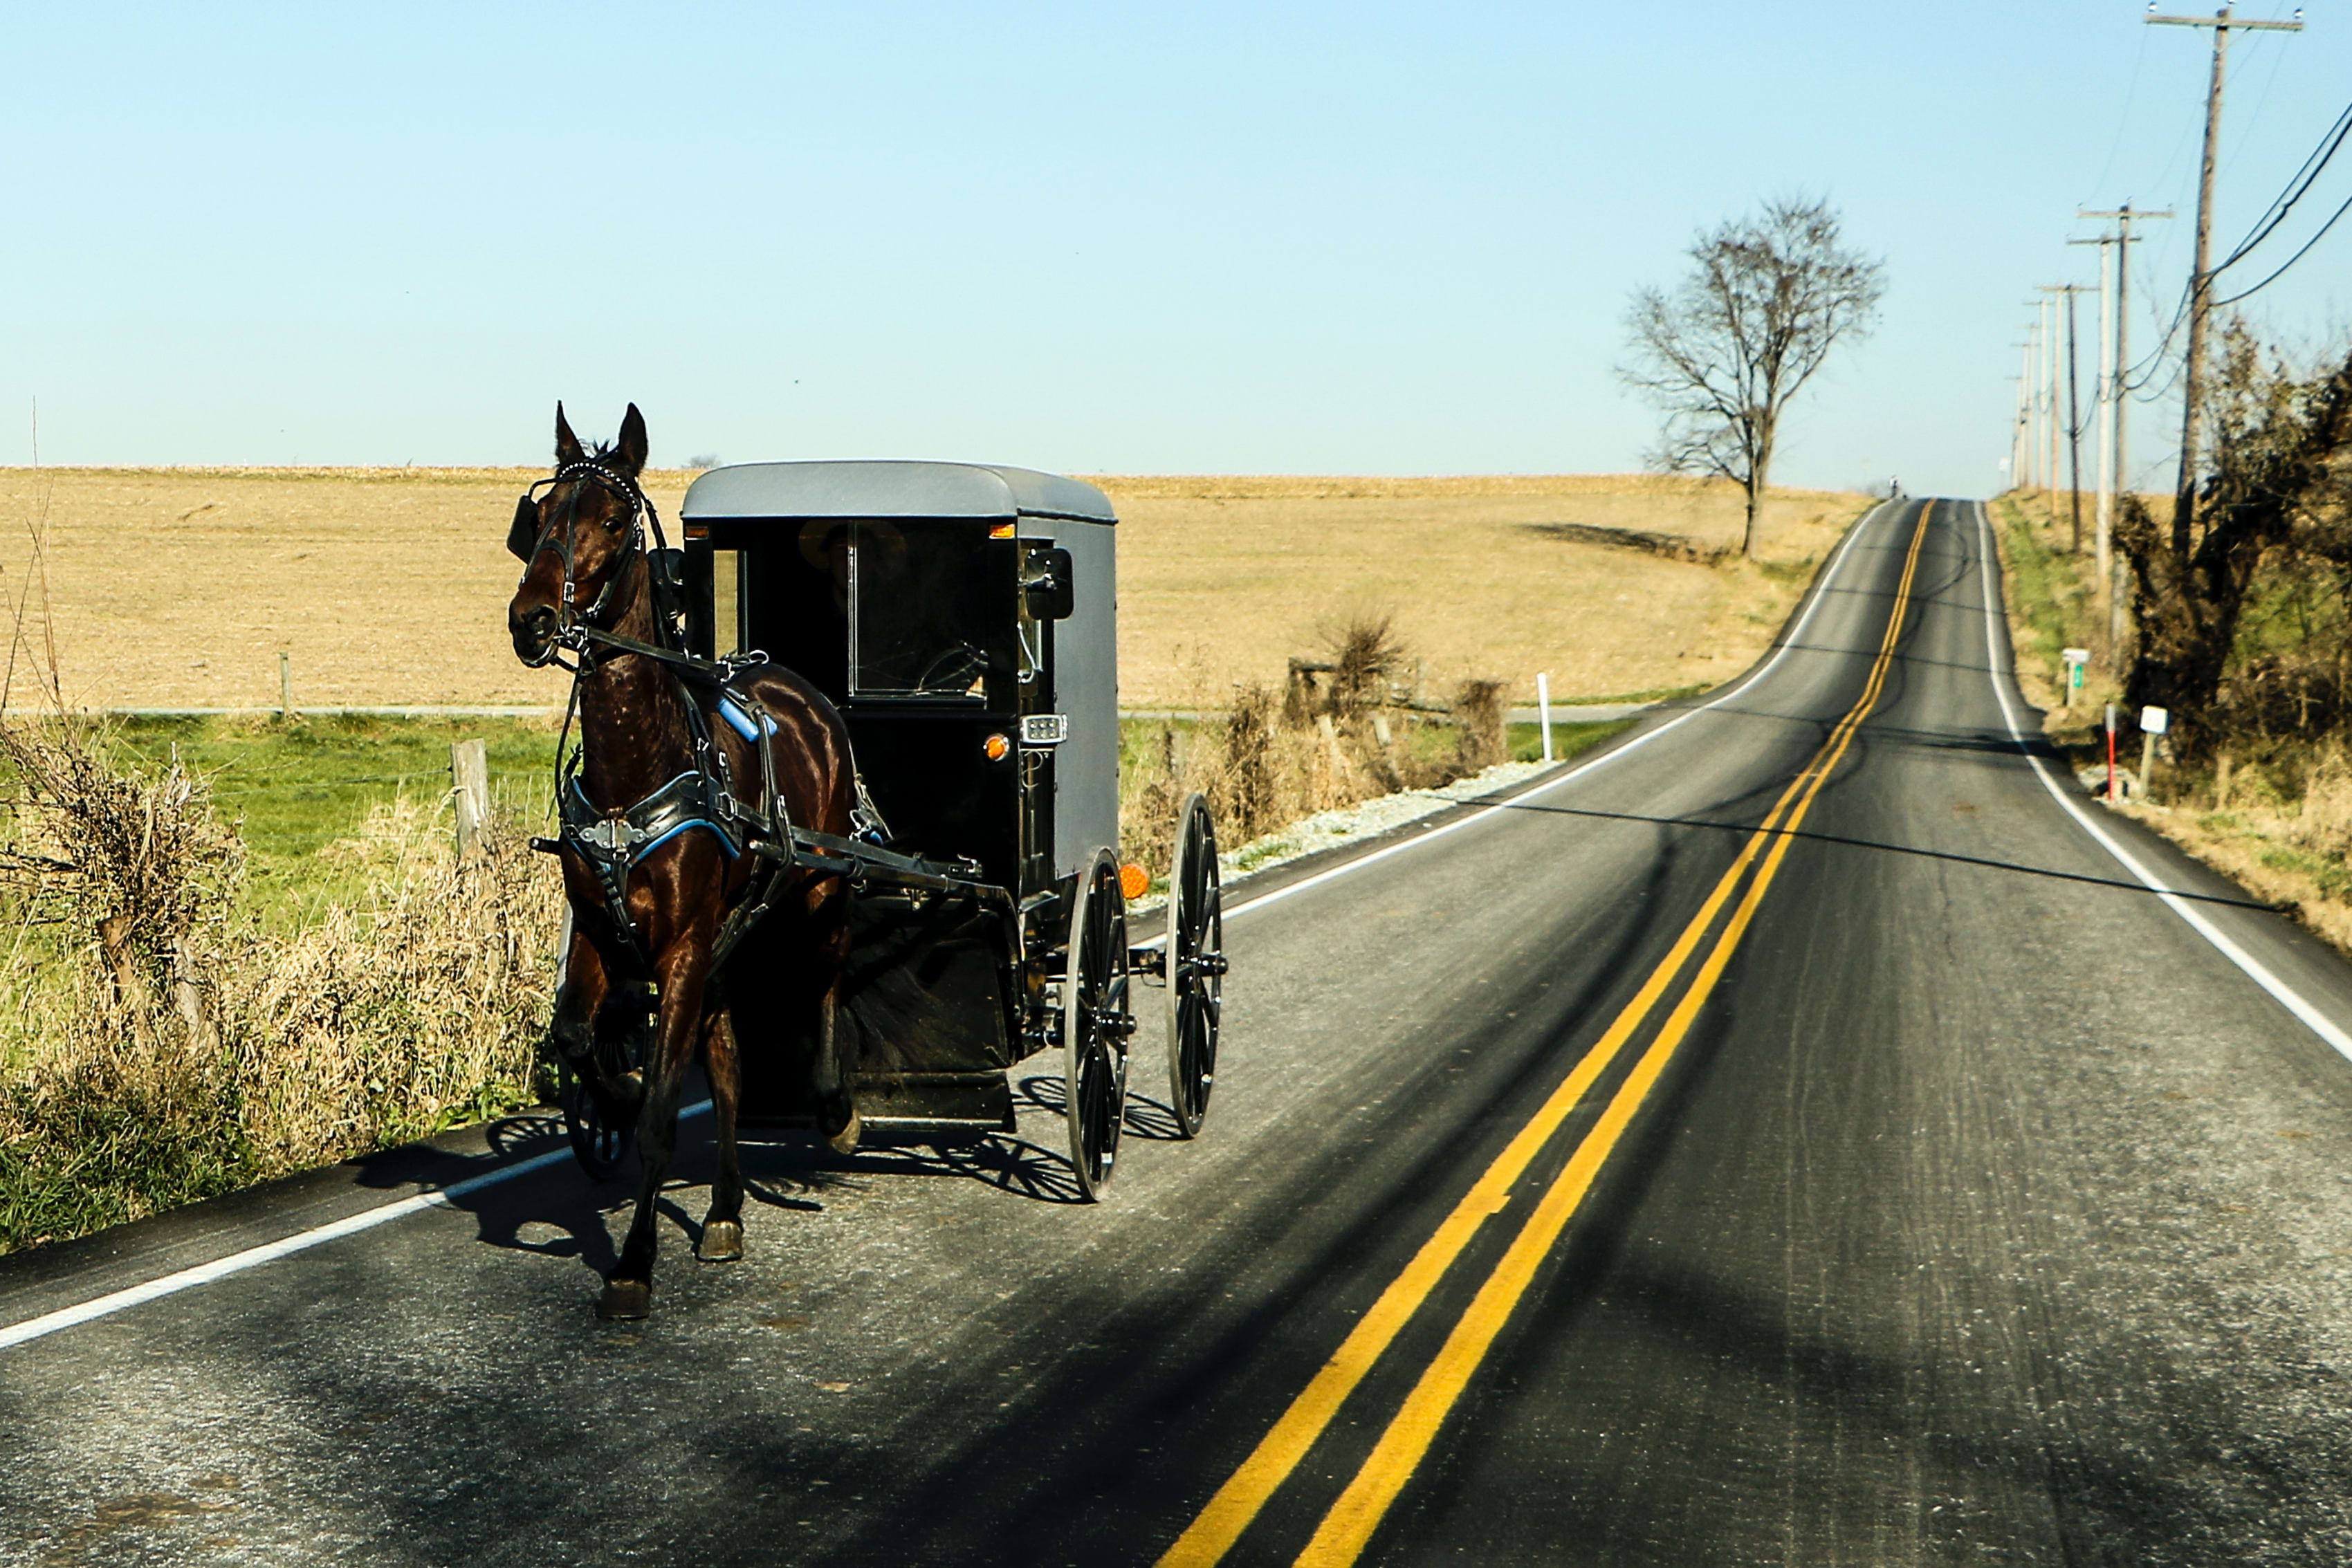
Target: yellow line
{"points": [[1349, 1526], [1237, 1502]]}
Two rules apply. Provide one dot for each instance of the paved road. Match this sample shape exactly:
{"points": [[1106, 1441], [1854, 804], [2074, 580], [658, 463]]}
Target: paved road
{"points": [[1603, 1182]]}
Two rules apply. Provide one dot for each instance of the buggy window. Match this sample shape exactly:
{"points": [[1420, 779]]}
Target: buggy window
{"points": [[933, 608]]}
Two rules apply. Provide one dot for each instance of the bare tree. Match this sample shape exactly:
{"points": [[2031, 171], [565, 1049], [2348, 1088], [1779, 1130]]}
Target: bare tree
{"points": [[1767, 298]]}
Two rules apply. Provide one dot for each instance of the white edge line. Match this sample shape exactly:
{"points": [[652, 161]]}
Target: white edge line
{"points": [[284, 1247], [2254, 968], [368, 1219], [1796, 636]]}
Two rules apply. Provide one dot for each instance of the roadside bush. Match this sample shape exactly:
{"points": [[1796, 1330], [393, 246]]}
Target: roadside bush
{"points": [[157, 1046], [1348, 734]]}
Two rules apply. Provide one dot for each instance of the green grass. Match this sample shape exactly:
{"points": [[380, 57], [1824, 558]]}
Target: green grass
{"points": [[2049, 588], [1525, 741], [297, 787], [2333, 878]]}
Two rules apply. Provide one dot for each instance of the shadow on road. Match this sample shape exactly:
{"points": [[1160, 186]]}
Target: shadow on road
{"points": [[1816, 837]]}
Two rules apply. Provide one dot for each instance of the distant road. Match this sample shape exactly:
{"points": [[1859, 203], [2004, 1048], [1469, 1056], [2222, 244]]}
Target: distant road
{"points": [[1597, 1180]]}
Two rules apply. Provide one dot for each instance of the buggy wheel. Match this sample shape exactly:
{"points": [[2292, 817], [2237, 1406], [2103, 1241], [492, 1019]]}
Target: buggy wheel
{"points": [[598, 1145], [1096, 1023], [1195, 960]]}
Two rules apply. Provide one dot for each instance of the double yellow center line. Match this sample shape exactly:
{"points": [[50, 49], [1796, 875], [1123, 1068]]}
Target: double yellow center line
{"points": [[1348, 1525]]}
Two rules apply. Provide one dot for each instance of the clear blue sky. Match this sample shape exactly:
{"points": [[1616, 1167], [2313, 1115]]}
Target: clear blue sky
{"points": [[1123, 239]]}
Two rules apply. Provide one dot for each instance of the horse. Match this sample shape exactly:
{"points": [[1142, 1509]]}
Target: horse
{"points": [[659, 865]]}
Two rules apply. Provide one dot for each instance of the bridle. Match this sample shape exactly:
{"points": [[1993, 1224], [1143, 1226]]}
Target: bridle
{"points": [[574, 627]]}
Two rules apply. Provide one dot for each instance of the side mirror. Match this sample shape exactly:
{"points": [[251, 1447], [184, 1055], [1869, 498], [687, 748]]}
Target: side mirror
{"points": [[1051, 594]]}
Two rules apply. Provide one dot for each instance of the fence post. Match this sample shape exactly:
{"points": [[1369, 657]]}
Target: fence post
{"points": [[284, 686], [1543, 711], [469, 777]]}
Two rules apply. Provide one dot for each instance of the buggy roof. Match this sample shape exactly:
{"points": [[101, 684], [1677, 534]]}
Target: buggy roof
{"points": [[890, 489]]}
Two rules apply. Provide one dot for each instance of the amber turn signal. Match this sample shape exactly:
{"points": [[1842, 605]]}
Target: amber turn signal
{"points": [[996, 745], [1132, 880], [1000, 531]]}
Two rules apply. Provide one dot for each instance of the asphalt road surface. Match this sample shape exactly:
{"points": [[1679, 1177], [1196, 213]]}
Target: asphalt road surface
{"points": [[1599, 1179]]}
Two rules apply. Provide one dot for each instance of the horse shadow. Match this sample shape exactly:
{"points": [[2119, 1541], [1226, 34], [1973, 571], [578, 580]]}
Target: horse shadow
{"points": [[568, 1216]]}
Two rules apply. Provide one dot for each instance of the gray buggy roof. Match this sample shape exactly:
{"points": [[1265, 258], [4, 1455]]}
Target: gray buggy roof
{"points": [[890, 490]]}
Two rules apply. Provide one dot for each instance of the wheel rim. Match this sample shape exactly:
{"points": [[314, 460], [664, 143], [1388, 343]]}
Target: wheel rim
{"points": [[1195, 955], [600, 1145], [597, 1144], [1094, 1024]]}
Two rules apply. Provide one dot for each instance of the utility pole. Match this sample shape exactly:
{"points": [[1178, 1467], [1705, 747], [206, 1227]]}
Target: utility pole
{"points": [[2050, 382], [2119, 398], [2073, 410], [2123, 239], [2033, 404], [2020, 439], [2200, 278], [2104, 405]]}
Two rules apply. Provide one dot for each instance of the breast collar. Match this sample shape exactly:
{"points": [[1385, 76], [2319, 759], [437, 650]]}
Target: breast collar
{"points": [[614, 841]]}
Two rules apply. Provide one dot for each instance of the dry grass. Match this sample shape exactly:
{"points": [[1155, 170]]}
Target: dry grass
{"points": [[2289, 852], [1265, 762], [178, 587], [1224, 579]]}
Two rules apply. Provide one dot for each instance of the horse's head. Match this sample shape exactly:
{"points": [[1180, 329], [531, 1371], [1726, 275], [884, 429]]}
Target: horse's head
{"points": [[577, 534]]}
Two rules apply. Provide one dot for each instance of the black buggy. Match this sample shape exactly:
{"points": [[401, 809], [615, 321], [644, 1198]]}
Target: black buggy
{"points": [[963, 620]]}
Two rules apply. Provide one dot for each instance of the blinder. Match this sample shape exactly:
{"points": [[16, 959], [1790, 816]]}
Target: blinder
{"points": [[525, 532]]}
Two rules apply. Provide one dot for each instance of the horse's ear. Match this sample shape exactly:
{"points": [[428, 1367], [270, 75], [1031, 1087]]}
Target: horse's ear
{"points": [[632, 448], [525, 531], [567, 446]]}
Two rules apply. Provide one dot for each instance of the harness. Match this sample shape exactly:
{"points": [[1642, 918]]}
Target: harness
{"points": [[612, 841]]}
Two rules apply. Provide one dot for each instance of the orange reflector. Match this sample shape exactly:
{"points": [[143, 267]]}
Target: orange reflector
{"points": [[996, 745], [1132, 880], [697, 530], [1000, 531]]}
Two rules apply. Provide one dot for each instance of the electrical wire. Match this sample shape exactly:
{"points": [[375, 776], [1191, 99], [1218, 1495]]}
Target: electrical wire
{"points": [[2296, 188], [2137, 376], [2290, 261]]}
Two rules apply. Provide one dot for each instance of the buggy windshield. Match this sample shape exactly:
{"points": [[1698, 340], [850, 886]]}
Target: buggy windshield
{"points": [[933, 608]]}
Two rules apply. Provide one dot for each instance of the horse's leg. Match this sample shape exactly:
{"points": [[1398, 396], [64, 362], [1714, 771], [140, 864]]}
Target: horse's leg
{"points": [[841, 1125], [577, 1004], [837, 1116], [685, 968], [722, 1229]]}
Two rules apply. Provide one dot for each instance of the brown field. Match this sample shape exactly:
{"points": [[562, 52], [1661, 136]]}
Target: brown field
{"points": [[179, 587]]}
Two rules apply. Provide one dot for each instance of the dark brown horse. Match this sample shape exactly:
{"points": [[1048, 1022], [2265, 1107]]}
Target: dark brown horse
{"points": [[588, 584]]}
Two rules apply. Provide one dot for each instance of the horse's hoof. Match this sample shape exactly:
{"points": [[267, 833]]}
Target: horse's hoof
{"points": [[625, 1300], [844, 1141], [722, 1241]]}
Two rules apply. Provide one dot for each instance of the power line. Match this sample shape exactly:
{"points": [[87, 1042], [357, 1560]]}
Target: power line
{"points": [[2296, 188], [2141, 371], [2290, 261]]}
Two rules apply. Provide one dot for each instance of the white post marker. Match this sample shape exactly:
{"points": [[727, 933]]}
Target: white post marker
{"points": [[2153, 722], [1543, 711], [2076, 659]]}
